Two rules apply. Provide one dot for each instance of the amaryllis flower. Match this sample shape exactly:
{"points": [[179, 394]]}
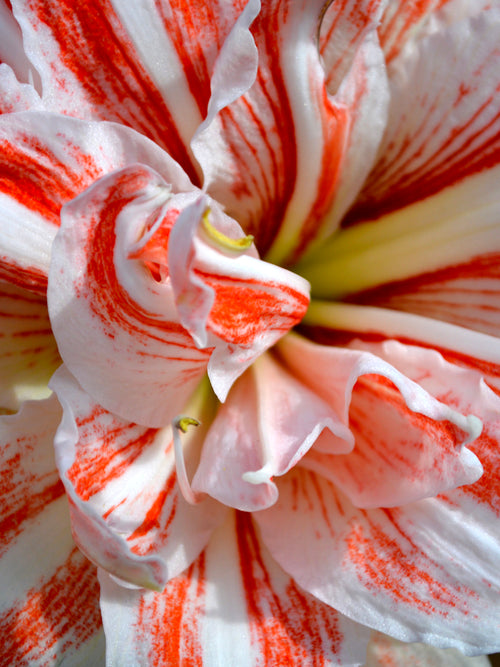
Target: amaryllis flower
{"points": [[182, 184]]}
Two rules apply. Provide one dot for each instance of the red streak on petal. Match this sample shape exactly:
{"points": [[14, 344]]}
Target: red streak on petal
{"points": [[392, 564], [288, 626], [244, 309], [95, 48], [60, 614], [170, 621]]}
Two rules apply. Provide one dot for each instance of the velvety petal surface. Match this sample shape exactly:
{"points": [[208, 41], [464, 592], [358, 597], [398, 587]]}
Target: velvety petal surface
{"points": [[234, 605], [466, 390], [45, 161], [49, 607], [127, 512], [424, 572], [28, 351], [407, 445], [269, 421]]}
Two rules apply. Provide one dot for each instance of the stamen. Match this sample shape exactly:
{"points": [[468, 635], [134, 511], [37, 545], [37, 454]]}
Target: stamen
{"points": [[235, 245], [181, 424]]}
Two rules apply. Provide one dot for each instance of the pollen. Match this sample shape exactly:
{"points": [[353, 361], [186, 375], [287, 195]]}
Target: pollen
{"points": [[183, 423], [220, 239]]}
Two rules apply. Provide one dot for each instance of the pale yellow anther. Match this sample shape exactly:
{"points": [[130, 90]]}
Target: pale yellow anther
{"points": [[183, 423], [220, 239]]}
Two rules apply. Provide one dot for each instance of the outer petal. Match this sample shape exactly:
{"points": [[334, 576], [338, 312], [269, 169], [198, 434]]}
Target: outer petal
{"points": [[46, 160], [268, 423], [49, 604], [234, 606], [405, 22], [343, 29], [438, 134], [384, 651], [425, 572], [115, 324], [127, 512], [408, 445], [147, 64]]}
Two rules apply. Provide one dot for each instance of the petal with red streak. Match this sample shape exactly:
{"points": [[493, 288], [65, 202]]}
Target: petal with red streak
{"points": [[444, 117], [407, 444], [127, 512], [146, 65], [230, 299], [278, 149], [28, 351], [115, 323], [269, 421], [425, 572], [45, 161], [234, 606], [49, 606], [339, 324], [465, 390], [344, 27]]}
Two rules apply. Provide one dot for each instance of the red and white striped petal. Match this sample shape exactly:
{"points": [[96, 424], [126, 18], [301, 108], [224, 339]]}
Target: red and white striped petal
{"points": [[444, 117], [49, 607], [465, 390], [384, 651], [407, 444], [344, 27], [127, 512], [338, 324], [269, 421], [466, 294], [147, 64], [409, 21], [278, 149], [226, 297], [115, 323], [28, 351], [234, 606], [47, 160], [425, 572]]}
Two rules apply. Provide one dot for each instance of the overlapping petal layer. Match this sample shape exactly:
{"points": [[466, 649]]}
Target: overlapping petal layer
{"points": [[127, 512], [415, 571], [49, 606], [233, 606], [46, 161], [407, 445], [101, 291]]}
